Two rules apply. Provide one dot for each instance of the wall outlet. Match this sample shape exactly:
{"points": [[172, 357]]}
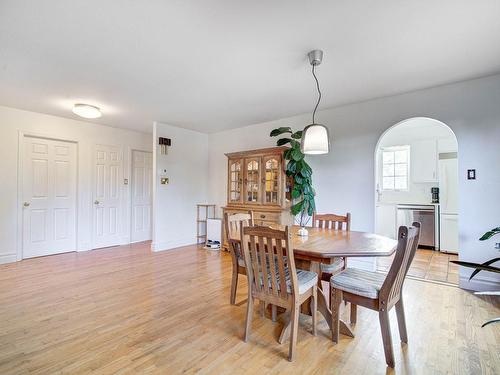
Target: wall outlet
{"points": [[164, 181], [497, 245]]}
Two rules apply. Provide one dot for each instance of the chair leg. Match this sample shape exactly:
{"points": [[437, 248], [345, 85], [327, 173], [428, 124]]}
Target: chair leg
{"points": [[336, 298], [400, 313], [293, 334], [274, 312], [234, 286], [354, 313], [262, 309], [386, 337], [314, 309], [248, 323]]}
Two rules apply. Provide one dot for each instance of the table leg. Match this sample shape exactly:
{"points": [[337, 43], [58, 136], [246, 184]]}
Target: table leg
{"points": [[323, 308]]}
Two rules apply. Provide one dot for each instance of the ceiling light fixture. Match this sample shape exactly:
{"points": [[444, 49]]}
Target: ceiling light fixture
{"points": [[315, 138], [86, 110]]}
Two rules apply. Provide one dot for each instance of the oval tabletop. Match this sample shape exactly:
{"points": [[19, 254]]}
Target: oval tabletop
{"points": [[328, 243], [322, 243]]}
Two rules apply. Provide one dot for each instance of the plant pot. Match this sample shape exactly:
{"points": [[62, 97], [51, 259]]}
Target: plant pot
{"points": [[303, 232]]}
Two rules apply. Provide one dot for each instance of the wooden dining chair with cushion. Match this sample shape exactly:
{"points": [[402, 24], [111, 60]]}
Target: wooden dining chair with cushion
{"points": [[275, 279], [232, 226], [332, 221], [377, 291]]}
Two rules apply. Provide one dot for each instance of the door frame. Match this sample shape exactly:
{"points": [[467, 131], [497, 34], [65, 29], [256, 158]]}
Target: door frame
{"points": [[20, 170], [130, 168], [92, 192]]}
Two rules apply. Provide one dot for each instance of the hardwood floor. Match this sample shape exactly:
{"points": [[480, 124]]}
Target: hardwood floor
{"points": [[126, 310], [428, 265]]}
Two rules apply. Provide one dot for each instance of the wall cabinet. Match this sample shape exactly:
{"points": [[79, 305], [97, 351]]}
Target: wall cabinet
{"points": [[423, 159], [257, 182]]}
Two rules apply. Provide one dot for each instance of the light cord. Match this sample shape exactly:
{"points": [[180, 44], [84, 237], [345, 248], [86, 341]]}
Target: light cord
{"points": [[319, 92]]}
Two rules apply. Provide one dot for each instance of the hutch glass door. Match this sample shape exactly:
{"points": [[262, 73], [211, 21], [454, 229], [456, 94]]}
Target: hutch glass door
{"points": [[252, 190], [271, 180], [235, 181]]}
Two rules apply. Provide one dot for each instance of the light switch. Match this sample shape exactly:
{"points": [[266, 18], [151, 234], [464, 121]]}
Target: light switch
{"points": [[471, 174], [125, 181], [164, 180]]}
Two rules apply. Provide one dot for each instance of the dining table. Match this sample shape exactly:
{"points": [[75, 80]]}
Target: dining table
{"points": [[325, 245]]}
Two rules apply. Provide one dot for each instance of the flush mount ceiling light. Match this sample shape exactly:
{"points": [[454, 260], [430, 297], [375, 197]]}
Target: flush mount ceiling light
{"points": [[315, 138], [86, 110]]}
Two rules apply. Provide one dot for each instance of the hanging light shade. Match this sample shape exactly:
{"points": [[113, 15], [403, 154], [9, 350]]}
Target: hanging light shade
{"points": [[315, 137], [315, 140]]}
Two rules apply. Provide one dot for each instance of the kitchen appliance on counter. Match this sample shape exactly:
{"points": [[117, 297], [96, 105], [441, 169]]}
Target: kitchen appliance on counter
{"points": [[426, 216], [448, 188], [435, 194]]}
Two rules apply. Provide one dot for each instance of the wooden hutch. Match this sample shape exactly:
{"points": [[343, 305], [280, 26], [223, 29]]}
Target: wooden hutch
{"points": [[256, 181]]}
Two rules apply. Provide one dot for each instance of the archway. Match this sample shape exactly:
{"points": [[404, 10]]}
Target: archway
{"points": [[416, 179]]}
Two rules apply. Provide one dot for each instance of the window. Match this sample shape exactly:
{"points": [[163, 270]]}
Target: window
{"points": [[395, 167]]}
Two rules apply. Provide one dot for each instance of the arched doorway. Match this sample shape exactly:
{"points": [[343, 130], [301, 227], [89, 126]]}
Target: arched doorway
{"points": [[416, 179]]}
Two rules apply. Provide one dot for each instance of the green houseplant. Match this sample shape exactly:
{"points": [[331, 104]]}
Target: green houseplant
{"points": [[300, 173], [486, 266]]}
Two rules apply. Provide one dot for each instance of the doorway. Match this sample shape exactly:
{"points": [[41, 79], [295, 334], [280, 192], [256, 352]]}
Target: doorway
{"points": [[49, 190], [416, 179], [142, 178]]}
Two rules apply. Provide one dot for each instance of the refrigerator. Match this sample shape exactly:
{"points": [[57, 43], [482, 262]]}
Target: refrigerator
{"points": [[448, 202]]}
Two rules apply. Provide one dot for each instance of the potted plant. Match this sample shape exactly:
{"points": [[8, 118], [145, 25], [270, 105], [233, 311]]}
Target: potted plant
{"points": [[300, 172], [486, 266]]}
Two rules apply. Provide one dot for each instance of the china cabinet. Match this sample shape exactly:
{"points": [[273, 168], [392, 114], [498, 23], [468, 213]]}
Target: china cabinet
{"points": [[256, 181]]}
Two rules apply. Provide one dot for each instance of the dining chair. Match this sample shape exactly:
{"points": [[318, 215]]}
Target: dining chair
{"points": [[232, 227], [274, 279], [338, 222], [378, 292]]}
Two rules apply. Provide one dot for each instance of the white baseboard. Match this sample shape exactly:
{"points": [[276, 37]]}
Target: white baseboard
{"points": [[170, 245], [478, 284], [8, 258]]}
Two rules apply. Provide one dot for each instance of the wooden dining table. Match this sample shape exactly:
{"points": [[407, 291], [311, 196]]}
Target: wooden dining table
{"points": [[324, 245]]}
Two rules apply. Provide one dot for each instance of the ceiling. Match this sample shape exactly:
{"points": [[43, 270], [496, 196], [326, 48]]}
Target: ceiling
{"points": [[215, 65]]}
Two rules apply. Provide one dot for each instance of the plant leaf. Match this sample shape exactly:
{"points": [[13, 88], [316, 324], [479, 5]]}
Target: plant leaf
{"points": [[296, 208], [296, 192], [476, 271], [287, 154], [279, 131], [298, 180], [296, 154], [490, 234], [283, 141], [297, 134], [477, 266], [496, 320]]}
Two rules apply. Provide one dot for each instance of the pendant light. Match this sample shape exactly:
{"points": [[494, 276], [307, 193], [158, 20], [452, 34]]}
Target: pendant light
{"points": [[315, 138]]}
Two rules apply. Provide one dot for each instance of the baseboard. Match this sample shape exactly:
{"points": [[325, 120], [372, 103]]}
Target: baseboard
{"points": [[170, 245], [478, 284], [8, 258]]}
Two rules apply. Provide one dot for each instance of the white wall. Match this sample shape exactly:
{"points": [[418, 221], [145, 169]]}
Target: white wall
{"points": [[186, 165], [13, 121], [344, 179]]}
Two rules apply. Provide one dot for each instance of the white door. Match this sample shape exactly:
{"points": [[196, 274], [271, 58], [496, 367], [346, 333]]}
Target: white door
{"points": [[142, 168], [49, 197], [107, 195], [448, 185]]}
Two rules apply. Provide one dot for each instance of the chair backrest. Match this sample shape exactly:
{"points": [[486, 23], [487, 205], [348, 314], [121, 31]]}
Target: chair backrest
{"points": [[332, 221], [408, 238], [232, 225], [269, 263]]}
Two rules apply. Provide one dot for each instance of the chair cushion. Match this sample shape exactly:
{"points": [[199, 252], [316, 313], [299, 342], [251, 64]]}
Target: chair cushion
{"points": [[333, 267], [359, 282]]}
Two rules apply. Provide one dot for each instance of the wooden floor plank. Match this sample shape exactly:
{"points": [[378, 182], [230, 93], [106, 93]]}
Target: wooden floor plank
{"points": [[128, 310]]}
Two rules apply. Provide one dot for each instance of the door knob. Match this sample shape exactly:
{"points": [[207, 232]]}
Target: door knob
{"points": [[26, 204], [96, 202]]}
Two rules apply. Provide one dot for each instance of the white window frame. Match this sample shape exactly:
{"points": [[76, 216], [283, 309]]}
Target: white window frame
{"points": [[393, 149]]}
